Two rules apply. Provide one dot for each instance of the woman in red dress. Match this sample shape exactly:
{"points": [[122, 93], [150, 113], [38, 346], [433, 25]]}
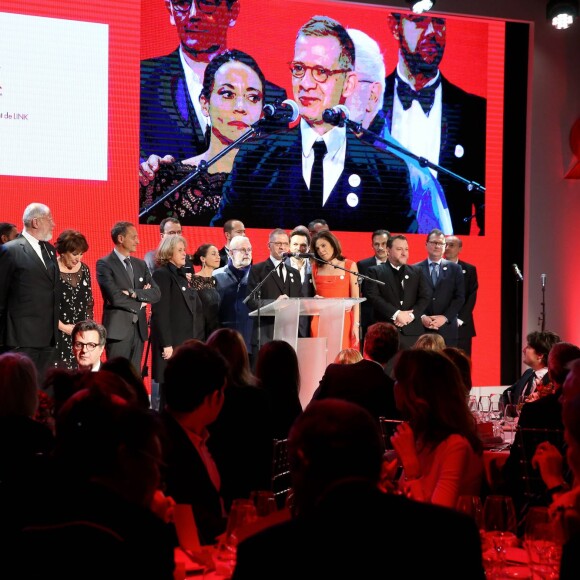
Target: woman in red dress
{"points": [[331, 282]]}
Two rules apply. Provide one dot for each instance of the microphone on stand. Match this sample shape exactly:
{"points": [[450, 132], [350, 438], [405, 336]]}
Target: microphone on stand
{"points": [[336, 116], [517, 272], [543, 276], [297, 255], [286, 110]]}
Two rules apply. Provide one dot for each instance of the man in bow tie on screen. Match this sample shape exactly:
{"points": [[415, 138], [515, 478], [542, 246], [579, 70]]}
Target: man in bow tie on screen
{"points": [[28, 290], [316, 169], [434, 118]]}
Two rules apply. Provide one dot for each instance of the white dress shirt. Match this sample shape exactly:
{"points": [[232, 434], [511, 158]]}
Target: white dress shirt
{"points": [[194, 86], [333, 164], [419, 133]]}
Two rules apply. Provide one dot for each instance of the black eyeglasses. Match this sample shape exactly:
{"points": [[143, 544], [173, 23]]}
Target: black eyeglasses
{"points": [[319, 73], [207, 6], [88, 346]]}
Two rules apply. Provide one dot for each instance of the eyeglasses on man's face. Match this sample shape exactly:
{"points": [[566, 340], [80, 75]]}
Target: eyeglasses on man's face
{"points": [[280, 244], [88, 346], [319, 73], [437, 244], [244, 250], [207, 6]]}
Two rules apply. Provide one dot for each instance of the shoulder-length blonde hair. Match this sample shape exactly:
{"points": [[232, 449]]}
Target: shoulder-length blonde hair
{"points": [[166, 248]]}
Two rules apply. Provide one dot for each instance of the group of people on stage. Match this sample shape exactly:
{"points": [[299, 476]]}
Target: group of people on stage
{"points": [[201, 98]]}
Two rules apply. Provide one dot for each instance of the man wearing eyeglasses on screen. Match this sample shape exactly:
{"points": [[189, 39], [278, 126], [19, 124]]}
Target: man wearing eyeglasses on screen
{"points": [[172, 122], [318, 170], [445, 279], [88, 342]]}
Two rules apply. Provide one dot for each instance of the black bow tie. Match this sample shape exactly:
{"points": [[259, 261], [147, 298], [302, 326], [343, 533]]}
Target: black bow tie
{"points": [[425, 96]]}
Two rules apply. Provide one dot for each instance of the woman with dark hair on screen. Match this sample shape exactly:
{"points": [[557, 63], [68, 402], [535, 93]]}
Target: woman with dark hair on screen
{"points": [[178, 316], [438, 444], [331, 282], [232, 97], [278, 373], [241, 436], [75, 292], [208, 257]]}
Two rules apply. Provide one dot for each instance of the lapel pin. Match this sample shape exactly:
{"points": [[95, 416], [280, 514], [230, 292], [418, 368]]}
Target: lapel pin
{"points": [[140, 279], [354, 180], [406, 276], [459, 151], [444, 267], [183, 288], [352, 199], [463, 271]]}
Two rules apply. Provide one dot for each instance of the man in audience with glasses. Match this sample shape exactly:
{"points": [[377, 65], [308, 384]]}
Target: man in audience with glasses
{"points": [[88, 342], [317, 169], [172, 122]]}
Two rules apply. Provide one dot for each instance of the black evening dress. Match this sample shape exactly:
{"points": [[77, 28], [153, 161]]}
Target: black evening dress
{"points": [[210, 298], [75, 304], [194, 204]]}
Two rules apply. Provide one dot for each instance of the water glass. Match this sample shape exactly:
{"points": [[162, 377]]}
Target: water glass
{"points": [[265, 502], [543, 542], [471, 505], [500, 526]]}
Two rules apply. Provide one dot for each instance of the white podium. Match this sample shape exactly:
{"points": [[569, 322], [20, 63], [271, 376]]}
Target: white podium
{"points": [[314, 354]]}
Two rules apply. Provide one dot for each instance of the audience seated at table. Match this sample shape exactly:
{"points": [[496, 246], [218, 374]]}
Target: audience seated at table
{"points": [[344, 527], [544, 413], [92, 518], [241, 437], [438, 445]]}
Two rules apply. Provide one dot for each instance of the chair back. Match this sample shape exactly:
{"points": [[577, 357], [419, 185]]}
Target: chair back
{"points": [[281, 481]]}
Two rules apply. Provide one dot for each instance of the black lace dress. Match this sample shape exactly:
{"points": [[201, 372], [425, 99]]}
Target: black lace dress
{"points": [[210, 298], [75, 304], [194, 204]]}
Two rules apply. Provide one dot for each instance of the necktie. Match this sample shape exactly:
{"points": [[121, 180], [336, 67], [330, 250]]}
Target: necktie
{"points": [[434, 273], [425, 96], [49, 264], [530, 386], [317, 176], [281, 271], [130, 270]]}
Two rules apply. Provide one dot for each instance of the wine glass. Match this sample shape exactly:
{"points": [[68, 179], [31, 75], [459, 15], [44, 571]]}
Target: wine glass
{"points": [[474, 406], [511, 413], [242, 513], [265, 502], [471, 505], [500, 526], [484, 406], [543, 543]]}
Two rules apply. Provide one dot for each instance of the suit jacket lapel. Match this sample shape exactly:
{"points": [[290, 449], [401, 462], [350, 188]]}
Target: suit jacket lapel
{"points": [[120, 269], [187, 293], [277, 280], [34, 258]]}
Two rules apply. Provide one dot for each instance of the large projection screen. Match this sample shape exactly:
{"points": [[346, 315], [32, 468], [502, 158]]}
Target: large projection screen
{"points": [[70, 121]]}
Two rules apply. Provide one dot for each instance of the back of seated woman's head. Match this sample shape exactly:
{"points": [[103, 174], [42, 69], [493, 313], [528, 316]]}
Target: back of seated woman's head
{"points": [[277, 367], [348, 356], [463, 363], [18, 385], [230, 344], [430, 341], [430, 394]]}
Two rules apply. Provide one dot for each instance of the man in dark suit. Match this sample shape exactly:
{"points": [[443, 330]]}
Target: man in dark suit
{"points": [[366, 382], [379, 241], [416, 95], [446, 281], [345, 526], [405, 294], [466, 330], [536, 352], [300, 243], [232, 228], [127, 287], [283, 283], [167, 227], [194, 401], [171, 119], [316, 169], [28, 290]]}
